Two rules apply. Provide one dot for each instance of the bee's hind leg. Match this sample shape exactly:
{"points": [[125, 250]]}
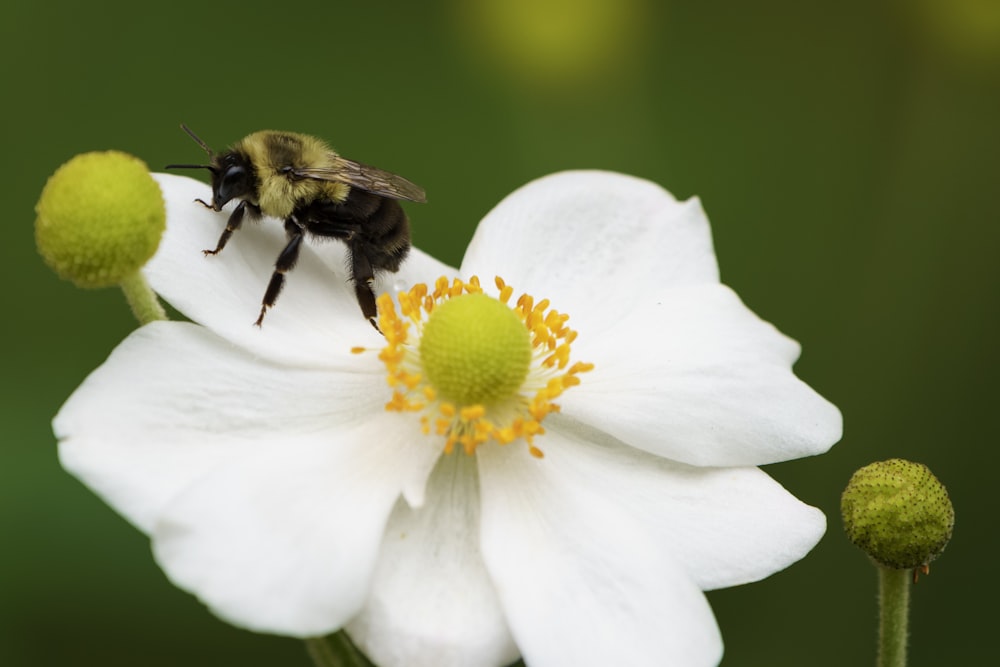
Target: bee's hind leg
{"points": [[363, 276]]}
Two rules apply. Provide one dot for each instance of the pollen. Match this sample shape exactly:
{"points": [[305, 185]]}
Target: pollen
{"points": [[477, 369]]}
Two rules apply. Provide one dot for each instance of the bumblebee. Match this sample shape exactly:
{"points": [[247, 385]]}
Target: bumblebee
{"points": [[299, 179]]}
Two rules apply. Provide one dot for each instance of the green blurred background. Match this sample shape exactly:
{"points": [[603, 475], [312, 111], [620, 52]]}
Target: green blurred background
{"points": [[848, 155]]}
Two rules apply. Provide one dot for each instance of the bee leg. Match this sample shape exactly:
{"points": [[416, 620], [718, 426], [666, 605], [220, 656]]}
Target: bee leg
{"points": [[286, 262], [234, 222], [363, 277]]}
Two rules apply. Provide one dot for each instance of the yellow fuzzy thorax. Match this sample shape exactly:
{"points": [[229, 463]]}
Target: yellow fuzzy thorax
{"points": [[270, 151]]}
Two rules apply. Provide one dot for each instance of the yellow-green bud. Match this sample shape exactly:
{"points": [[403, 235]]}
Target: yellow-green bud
{"points": [[898, 513], [100, 218]]}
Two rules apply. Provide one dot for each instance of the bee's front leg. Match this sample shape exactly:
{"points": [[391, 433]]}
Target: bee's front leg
{"points": [[234, 222]]}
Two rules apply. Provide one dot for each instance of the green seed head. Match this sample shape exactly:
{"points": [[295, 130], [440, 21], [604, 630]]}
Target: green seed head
{"points": [[898, 513], [100, 218], [475, 350]]}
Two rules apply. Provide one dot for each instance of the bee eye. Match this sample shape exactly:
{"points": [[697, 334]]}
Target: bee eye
{"points": [[233, 182]]}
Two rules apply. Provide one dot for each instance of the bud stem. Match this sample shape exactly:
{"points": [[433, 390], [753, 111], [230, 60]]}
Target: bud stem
{"points": [[894, 608], [335, 650], [141, 298]]}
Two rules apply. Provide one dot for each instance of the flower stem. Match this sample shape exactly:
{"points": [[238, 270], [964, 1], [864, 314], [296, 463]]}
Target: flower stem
{"points": [[894, 608], [142, 299], [335, 650]]}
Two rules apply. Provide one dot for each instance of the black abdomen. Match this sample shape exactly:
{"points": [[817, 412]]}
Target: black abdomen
{"points": [[372, 225]]}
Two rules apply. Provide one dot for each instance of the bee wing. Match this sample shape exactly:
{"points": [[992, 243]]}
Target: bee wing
{"points": [[364, 177]]}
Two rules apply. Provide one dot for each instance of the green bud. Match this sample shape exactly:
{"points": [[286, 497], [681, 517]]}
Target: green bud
{"points": [[100, 218], [898, 513]]}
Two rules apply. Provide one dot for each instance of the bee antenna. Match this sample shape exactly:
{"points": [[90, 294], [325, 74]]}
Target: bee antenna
{"points": [[192, 166], [198, 141]]}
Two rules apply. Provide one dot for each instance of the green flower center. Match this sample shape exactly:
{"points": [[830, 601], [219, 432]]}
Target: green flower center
{"points": [[475, 350]]}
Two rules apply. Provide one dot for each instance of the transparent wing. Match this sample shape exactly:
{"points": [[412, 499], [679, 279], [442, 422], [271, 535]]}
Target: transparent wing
{"points": [[367, 178]]}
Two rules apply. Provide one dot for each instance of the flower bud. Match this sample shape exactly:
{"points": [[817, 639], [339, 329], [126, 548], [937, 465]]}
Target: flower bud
{"points": [[100, 218], [898, 513]]}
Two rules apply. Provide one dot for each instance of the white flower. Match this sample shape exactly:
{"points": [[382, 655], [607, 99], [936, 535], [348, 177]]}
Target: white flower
{"points": [[277, 487]]}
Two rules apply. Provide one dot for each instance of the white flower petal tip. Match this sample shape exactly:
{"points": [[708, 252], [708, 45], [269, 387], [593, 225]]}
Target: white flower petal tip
{"points": [[595, 237], [709, 360], [285, 541], [758, 528], [583, 582], [432, 603], [173, 401]]}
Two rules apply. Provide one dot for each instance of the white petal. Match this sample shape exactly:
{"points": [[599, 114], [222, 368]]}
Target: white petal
{"points": [[432, 603], [724, 526], [286, 540], [582, 581], [592, 242], [174, 401], [316, 320], [699, 378]]}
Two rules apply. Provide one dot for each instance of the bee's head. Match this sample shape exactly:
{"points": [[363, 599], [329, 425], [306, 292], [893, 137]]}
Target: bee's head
{"points": [[232, 178], [232, 173]]}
